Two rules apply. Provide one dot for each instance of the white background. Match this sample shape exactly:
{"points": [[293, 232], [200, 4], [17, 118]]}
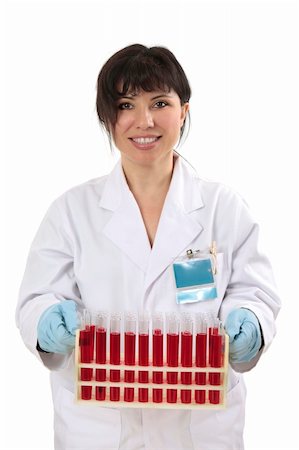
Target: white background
{"points": [[241, 59]]}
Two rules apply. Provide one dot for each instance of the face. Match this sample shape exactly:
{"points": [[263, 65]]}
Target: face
{"points": [[148, 125]]}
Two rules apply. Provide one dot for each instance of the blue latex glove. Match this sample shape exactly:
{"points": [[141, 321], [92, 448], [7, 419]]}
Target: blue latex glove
{"points": [[243, 329], [57, 328]]}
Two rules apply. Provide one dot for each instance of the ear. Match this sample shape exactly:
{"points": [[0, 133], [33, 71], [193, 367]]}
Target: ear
{"points": [[184, 110]]}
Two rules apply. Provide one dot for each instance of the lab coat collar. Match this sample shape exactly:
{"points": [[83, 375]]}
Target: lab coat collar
{"points": [[177, 227], [184, 180]]}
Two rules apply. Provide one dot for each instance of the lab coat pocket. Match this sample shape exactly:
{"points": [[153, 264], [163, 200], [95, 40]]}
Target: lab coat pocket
{"points": [[221, 429], [79, 426], [222, 275]]}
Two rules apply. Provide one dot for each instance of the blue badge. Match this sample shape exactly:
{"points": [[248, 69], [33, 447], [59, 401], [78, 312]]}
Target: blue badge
{"points": [[194, 279]]}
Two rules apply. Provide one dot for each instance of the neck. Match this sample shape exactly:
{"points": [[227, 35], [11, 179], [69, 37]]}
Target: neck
{"points": [[151, 179]]}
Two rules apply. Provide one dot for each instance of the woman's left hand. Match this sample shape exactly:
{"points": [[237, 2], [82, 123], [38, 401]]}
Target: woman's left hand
{"points": [[245, 339]]}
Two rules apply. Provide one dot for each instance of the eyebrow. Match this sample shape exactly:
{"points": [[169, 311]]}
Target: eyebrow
{"points": [[162, 95], [153, 98]]}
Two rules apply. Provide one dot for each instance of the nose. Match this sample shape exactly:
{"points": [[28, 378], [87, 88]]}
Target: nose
{"points": [[144, 119]]}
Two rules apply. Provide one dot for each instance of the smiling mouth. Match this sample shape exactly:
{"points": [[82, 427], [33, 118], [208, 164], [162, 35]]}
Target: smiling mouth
{"points": [[145, 140]]}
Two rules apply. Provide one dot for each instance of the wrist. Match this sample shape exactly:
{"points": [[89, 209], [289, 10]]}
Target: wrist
{"points": [[39, 349]]}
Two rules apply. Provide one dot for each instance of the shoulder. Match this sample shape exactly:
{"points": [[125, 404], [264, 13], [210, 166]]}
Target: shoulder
{"points": [[219, 192], [210, 190], [78, 197], [91, 189], [226, 206], [209, 196]]}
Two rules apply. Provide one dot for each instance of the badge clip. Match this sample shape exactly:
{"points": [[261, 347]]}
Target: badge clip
{"points": [[190, 253]]}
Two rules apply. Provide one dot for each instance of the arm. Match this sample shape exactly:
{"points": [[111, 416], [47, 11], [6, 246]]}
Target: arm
{"points": [[251, 285], [49, 279]]}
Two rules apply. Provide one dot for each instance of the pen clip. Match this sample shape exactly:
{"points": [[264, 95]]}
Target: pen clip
{"points": [[213, 251]]}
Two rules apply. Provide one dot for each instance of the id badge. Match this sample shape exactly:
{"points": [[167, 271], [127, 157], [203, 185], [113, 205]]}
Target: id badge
{"points": [[194, 277]]}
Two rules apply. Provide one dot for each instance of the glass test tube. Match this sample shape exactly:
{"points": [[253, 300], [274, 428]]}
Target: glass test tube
{"points": [[216, 347], [201, 356], [158, 332], [172, 322], [92, 333], [186, 355], [212, 329], [130, 348], [143, 354], [101, 349], [115, 323], [90, 326], [86, 354]]}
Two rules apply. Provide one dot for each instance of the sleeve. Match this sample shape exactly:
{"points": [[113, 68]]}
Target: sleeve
{"points": [[49, 278], [251, 284]]}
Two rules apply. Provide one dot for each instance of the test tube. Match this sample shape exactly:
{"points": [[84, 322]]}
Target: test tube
{"points": [[143, 353], [115, 324], [85, 344], [201, 356], [90, 326], [101, 349], [130, 347], [92, 333], [158, 331], [212, 330], [186, 355], [172, 323], [216, 351]]}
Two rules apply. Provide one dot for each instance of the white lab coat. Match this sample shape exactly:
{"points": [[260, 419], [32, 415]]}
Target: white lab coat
{"points": [[92, 247]]}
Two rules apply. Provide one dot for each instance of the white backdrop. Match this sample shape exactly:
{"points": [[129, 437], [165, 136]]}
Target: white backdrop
{"points": [[241, 58]]}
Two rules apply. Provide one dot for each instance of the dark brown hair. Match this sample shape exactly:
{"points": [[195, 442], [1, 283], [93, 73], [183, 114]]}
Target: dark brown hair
{"points": [[136, 68]]}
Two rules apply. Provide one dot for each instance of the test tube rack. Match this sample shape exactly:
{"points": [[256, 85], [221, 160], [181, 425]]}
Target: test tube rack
{"points": [[204, 395]]}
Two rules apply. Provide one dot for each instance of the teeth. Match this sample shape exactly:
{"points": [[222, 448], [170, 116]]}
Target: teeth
{"points": [[145, 140]]}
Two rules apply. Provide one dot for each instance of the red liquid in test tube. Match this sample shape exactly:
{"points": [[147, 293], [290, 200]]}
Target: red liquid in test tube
{"points": [[186, 356], [213, 324], [172, 355], [101, 348], [216, 341], [89, 326], [158, 355], [130, 348], [92, 335], [86, 354], [115, 322], [85, 357], [201, 357], [143, 355]]}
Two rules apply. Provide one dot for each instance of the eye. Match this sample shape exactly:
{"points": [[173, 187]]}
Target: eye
{"points": [[160, 104], [125, 106]]}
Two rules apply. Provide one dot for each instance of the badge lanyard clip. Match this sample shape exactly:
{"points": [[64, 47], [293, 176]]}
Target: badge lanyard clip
{"points": [[190, 253]]}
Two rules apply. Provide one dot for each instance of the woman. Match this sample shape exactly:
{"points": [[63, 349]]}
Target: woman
{"points": [[111, 244]]}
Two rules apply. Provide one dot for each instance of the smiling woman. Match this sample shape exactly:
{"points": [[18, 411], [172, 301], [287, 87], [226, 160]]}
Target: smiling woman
{"points": [[112, 244]]}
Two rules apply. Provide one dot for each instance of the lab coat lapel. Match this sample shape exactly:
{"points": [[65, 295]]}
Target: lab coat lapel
{"points": [[126, 227], [178, 225]]}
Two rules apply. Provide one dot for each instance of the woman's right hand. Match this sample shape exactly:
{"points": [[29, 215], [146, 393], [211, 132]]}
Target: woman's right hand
{"points": [[57, 326]]}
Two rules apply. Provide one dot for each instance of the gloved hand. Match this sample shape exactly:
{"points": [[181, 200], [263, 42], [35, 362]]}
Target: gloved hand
{"points": [[57, 328], [243, 329]]}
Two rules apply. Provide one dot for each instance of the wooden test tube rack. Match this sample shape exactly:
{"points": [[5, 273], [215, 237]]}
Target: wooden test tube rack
{"points": [[222, 387]]}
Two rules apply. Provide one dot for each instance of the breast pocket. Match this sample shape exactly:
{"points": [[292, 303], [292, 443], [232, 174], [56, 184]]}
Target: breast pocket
{"points": [[221, 281]]}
